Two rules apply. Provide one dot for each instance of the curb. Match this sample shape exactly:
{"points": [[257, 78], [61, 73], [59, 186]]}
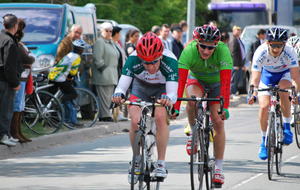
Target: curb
{"points": [[79, 135], [63, 138]]}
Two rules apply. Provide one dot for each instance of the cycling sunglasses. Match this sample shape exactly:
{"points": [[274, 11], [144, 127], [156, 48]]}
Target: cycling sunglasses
{"points": [[273, 46], [152, 62], [206, 47]]}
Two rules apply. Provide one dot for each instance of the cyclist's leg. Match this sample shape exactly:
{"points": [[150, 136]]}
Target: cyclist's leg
{"points": [[264, 102], [162, 135], [134, 114], [193, 88], [162, 138], [285, 105]]}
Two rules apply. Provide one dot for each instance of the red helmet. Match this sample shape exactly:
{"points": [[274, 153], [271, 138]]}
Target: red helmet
{"points": [[149, 47], [207, 33]]}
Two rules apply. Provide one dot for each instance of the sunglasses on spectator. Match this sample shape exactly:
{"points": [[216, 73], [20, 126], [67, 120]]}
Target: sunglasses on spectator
{"points": [[206, 47], [273, 46], [152, 62]]}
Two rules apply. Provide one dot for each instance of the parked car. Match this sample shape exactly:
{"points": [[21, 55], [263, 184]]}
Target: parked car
{"points": [[125, 29], [248, 36], [48, 24]]}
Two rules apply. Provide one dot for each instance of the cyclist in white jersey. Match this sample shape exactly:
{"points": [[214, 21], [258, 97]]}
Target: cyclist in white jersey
{"points": [[153, 71], [274, 63]]}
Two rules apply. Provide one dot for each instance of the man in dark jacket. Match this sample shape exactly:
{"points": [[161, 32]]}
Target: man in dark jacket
{"points": [[9, 76], [177, 46], [261, 37], [237, 50]]}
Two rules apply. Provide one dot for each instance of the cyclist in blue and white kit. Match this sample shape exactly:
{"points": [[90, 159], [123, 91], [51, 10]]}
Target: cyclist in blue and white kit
{"points": [[274, 63]]}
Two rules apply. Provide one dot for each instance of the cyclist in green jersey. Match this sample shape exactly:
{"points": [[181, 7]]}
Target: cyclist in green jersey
{"points": [[206, 63]]}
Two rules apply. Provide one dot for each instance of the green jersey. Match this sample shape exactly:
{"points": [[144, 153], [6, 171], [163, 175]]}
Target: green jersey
{"points": [[168, 70], [206, 70]]}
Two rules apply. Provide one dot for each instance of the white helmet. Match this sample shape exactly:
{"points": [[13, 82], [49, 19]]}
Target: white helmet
{"points": [[294, 41], [79, 44]]}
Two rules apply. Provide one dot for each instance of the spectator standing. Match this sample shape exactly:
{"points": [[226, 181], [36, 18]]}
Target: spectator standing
{"points": [[9, 79], [237, 50], [260, 39], [156, 30], [24, 67], [225, 37], [105, 69], [65, 46], [183, 25], [116, 36], [164, 34], [177, 46], [122, 58], [131, 39]]}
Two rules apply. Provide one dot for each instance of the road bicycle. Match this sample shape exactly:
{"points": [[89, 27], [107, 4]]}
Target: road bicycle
{"points": [[86, 105], [274, 136], [296, 117], [202, 161], [144, 149], [43, 113]]}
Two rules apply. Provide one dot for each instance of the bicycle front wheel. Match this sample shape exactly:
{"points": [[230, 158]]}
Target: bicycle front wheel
{"points": [[43, 113], [87, 107], [197, 161], [137, 170], [279, 143], [297, 124], [271, 144]]}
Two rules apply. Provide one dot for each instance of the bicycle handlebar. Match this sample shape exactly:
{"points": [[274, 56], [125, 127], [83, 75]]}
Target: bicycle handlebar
{"points": [[198, 99]]}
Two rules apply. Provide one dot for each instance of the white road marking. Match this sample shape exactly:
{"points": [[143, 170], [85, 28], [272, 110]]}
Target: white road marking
{"points": [[260, 174]]}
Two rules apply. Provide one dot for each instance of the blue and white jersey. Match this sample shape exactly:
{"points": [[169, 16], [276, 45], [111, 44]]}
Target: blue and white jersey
{"points": [[274, 69], [262, 60]]}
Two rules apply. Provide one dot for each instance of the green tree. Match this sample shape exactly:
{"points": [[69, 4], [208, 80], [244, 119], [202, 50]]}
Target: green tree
{"points": [[141, 13]]}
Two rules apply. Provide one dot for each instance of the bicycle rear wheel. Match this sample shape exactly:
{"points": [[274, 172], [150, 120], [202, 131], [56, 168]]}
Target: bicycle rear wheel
{"points": [[87, 107], [279, 143], [297, 124], [137, 178], [43, 113], [197, 161], [271, 144]]}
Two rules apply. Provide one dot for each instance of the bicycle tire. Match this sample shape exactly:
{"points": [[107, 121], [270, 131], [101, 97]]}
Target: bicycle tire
{"points": [[271, 144], [151, 157], [209, 168], [297, 124], [43, 113], [138, 150], [279, 147], [87, 106], [197, 161]]}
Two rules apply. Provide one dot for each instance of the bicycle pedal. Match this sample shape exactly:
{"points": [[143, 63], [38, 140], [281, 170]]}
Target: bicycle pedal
{"points": [[217, 185], [159, 179]]}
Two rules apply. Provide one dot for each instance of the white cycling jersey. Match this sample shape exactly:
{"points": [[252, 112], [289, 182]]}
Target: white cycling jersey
{"points": [[262, 60]]}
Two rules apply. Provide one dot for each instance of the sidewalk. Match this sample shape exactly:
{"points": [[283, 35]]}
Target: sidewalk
{"points": [[101, 129]]}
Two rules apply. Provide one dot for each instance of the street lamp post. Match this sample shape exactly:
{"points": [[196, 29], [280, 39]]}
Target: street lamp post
{"points": [[191, 13]]}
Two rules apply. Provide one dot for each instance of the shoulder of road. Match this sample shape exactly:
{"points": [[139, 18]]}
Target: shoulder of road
{"points": [[101, 129]]}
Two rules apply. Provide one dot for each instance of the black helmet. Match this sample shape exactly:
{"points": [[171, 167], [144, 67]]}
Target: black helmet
{"points": [[277, 34], [207, 33]]}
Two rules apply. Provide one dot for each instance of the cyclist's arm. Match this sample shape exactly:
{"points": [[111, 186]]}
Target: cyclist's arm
{"points": [[123, 84], [183, 73], [171, 89], [296, 77], [225, 77]]}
